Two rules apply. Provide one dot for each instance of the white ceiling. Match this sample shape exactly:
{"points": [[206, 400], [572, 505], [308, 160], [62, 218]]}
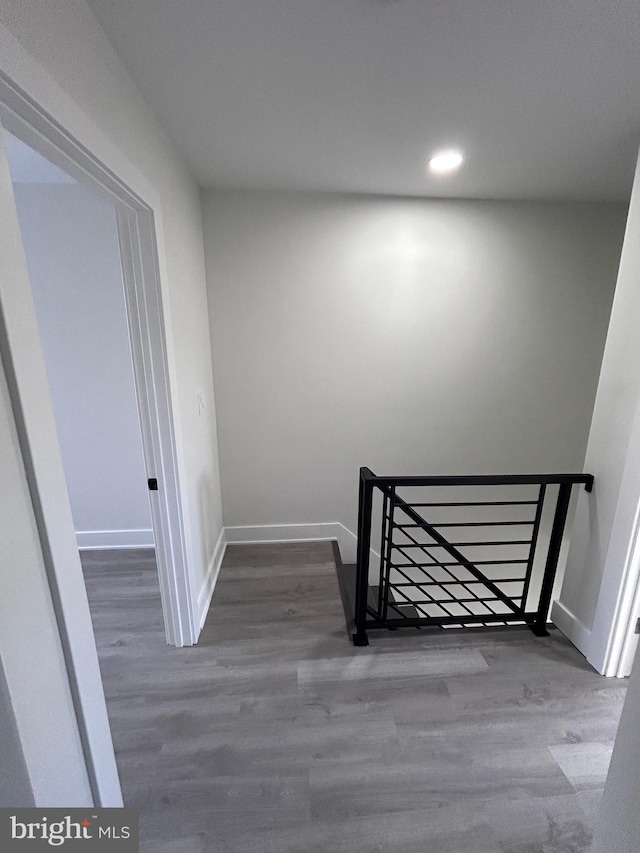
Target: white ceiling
{"points": [[352, 95]]}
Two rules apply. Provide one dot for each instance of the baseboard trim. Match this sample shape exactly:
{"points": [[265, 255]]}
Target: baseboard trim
{"points": [[573, 629], [260, 534], [92, 540], [209, 584]]}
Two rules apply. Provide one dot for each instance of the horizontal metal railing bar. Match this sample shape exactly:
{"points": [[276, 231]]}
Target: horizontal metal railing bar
{"points": [[474, 503], [421, 606], [461, 617], [462, 622], [424, 622], [451, 583], [471, 524], [399, 588], [418, 601], [460, 544], [480, 480], [453, 563]]}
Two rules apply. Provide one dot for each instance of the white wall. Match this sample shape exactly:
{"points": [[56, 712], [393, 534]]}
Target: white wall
{"points": [[415, 337], [71, 244], [59, 55], [605, 520]]}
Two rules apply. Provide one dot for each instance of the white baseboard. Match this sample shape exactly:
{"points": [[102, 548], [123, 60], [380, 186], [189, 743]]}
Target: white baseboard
{"points": [[573, 629], [209, 583], [89, 540], [263, 533]]}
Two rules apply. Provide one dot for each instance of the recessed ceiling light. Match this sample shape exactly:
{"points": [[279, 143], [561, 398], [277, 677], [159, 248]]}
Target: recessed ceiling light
{"points": [[446, 162]]}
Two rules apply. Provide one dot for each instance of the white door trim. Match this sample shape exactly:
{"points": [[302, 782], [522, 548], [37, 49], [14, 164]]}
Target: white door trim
{"points": [[41, 453], [622, 642], [612, 641], [147, 334]]}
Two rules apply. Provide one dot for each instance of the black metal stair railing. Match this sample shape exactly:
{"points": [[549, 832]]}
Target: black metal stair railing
{"points": [[425, 577]]}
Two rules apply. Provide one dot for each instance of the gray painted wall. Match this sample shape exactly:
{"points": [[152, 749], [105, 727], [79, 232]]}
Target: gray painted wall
{"points": [[73, 255], [415, 337]]}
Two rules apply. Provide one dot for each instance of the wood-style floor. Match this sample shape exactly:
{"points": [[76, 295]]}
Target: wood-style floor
{"points": [[276, 735]]}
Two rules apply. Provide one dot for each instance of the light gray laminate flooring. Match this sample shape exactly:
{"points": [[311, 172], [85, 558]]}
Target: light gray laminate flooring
{"points": [[276, 735]]}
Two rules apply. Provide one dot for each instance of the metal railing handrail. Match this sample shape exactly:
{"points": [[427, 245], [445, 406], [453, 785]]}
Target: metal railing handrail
{"points": [[480, 480], [366, 616]]}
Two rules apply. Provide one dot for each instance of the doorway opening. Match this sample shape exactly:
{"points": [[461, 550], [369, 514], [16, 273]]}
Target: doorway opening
{"points": [[30, 395], [71, 245], [72, 250]]}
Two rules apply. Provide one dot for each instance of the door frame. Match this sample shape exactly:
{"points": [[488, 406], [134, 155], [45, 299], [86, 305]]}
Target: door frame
{"points": [[621, 642], [24, 363], [612, 642], [145, 317]]}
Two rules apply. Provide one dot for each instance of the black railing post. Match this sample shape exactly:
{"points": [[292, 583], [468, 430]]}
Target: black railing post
{"points": [[539, 626], [365, 502]]}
